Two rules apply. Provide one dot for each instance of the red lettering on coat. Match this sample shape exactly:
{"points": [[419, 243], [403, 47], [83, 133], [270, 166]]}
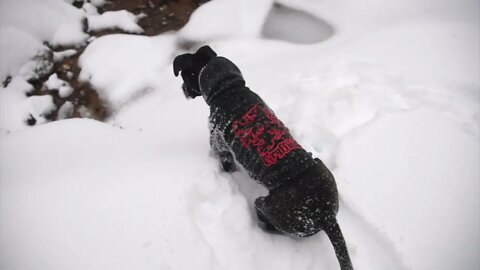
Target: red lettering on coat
{"points": [[261, 130]]}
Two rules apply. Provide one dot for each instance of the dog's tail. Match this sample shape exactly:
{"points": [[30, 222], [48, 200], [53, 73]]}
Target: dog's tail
{"points": [[338, 241]]}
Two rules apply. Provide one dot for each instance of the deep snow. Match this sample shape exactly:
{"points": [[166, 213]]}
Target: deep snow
{"points": [[390, 102], [23, 30]]}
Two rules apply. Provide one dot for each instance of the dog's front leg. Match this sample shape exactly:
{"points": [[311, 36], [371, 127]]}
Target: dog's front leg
{"points": [[220, 149]]}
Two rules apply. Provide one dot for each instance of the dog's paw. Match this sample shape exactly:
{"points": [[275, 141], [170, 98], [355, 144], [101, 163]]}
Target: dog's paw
{"points": [[227, 161], [228, 166], [265, 225], [269, 228]]}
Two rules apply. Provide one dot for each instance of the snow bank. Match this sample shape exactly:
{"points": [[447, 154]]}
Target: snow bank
{"points": [[16, 108], [122, 19], [65, 111], [75, 207], [16, 48], [124, 67], [61, 55], [12, 115], [436, 166], [54, 83], [434, 39], [61, 22], [292, 25], [26, 24], [225, 19]]}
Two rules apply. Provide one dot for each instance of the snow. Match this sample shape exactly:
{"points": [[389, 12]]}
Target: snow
{"points": [[16, 107], [61, 22], [215, 20], [296, 26], [121, 19], [441, 210], [54, 83], [60, 56], [124, 67], [390, 101], [12, 116], [78, 190], [24, 30], [98, 3], [16, 48], [89, 9], [39, 107], [65, 111]]}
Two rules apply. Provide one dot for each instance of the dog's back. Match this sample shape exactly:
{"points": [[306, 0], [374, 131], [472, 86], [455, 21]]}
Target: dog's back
{"points": [[256, 137]]}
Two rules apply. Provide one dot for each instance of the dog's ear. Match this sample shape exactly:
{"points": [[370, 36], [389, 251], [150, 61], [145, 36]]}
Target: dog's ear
{"points": [[182, 62], [205, 53]]}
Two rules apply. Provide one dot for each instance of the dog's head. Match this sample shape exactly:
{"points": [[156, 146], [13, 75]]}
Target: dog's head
{"points": [[301, 206], [190, 65]]}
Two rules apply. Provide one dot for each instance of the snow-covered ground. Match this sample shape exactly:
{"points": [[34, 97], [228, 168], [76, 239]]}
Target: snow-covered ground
{"points": [[388, 98]]}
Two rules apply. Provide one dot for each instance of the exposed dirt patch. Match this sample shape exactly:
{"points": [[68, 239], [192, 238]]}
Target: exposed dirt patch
{"points": [[157, 16], [160, 15], [85, 100]]}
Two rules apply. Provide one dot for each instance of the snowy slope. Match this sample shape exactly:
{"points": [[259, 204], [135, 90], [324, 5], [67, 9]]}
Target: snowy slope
{"points": [[23, 30], [390, 102]]}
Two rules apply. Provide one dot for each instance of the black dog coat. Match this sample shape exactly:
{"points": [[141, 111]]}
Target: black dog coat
{"points": [[242, 124], [303, 195]]}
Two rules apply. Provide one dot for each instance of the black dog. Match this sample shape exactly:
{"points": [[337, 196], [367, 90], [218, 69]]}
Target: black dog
{"points": [[303, 197]]}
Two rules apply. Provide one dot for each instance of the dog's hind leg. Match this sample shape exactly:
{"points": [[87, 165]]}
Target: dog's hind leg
{"points": [[268, 227], [220, 149]]}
